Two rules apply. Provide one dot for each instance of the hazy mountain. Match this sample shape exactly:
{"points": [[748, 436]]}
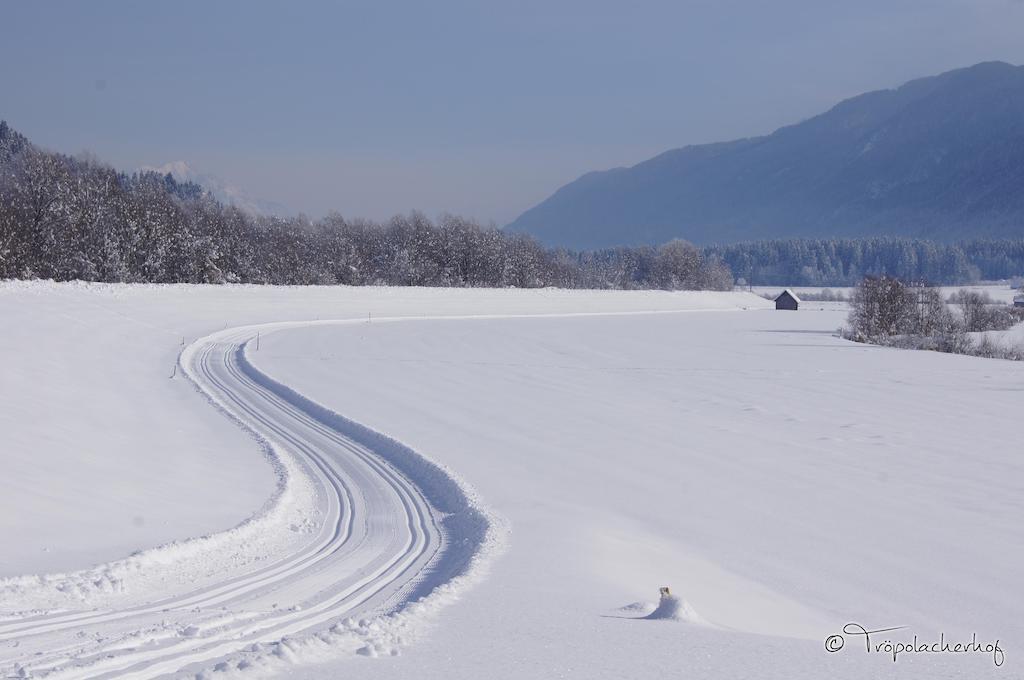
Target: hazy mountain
{"points": [[224, 192], [940, 157]]}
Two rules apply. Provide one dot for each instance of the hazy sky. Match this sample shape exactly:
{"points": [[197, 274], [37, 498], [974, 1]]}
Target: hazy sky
{"points": [[477, 108]]}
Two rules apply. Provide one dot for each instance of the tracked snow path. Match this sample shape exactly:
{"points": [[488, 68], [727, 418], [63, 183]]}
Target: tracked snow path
{"points": [[382, 540]]}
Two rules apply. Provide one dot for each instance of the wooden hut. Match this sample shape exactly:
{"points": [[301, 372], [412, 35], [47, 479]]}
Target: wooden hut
{"points": [[787, 300]]}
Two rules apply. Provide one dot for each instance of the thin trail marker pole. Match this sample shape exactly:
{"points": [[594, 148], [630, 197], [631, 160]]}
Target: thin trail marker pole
{"points": [[257, 341]]}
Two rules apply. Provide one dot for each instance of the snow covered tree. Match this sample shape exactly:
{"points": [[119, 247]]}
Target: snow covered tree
{"points": [[881, 306]]}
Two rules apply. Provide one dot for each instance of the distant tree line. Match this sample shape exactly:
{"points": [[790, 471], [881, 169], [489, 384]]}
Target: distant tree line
{"points": [[844, 262], [68, 218]]}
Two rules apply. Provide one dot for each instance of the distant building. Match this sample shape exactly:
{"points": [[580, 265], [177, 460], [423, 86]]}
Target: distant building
{"points": [[1018, 299], [787, 300]]}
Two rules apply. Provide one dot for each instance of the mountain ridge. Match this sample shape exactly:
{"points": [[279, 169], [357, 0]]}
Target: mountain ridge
{"points": [[937, 157]]}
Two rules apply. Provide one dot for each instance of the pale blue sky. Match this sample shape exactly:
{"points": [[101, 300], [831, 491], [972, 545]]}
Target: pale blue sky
{"points": [[477, 108]]}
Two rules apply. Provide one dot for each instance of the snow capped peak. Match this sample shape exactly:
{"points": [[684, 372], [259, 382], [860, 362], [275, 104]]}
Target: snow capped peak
{"points": [[223, 191], [180, 170]]}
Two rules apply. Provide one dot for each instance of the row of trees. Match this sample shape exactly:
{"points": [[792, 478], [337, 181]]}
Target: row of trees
{"points": [[844, 262], [76, 218], [70, 218]]}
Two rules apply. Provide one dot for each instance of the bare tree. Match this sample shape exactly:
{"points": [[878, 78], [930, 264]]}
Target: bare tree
{"points": [[881, 307]]}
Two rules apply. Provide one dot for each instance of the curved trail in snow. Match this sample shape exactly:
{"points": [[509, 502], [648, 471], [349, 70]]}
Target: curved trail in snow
{"points": [[390, 528]]}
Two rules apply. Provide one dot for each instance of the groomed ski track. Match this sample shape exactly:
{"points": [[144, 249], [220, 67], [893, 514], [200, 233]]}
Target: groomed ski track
{"points": [[391, 527]]}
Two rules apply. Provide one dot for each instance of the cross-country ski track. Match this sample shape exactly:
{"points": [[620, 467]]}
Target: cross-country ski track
{"points": [[384, 528]]}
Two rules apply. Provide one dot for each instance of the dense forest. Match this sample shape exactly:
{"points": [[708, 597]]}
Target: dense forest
{"points": [[68, 218], [844, 262]]}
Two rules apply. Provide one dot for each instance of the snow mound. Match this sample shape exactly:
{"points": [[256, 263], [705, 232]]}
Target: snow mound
{"points": [[675, 608], [669, 608]]}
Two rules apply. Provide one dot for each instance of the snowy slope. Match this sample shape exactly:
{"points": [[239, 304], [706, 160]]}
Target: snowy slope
{"points": [[782, 481], [200, 602], [109, 456]]}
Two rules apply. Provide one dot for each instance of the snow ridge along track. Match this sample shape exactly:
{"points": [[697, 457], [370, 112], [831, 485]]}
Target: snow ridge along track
{"points": [[392, 527]]}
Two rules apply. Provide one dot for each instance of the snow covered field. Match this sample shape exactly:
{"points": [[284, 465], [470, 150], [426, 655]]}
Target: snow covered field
{"points": [[86, 404], [783, 482], [1011, 338]]}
